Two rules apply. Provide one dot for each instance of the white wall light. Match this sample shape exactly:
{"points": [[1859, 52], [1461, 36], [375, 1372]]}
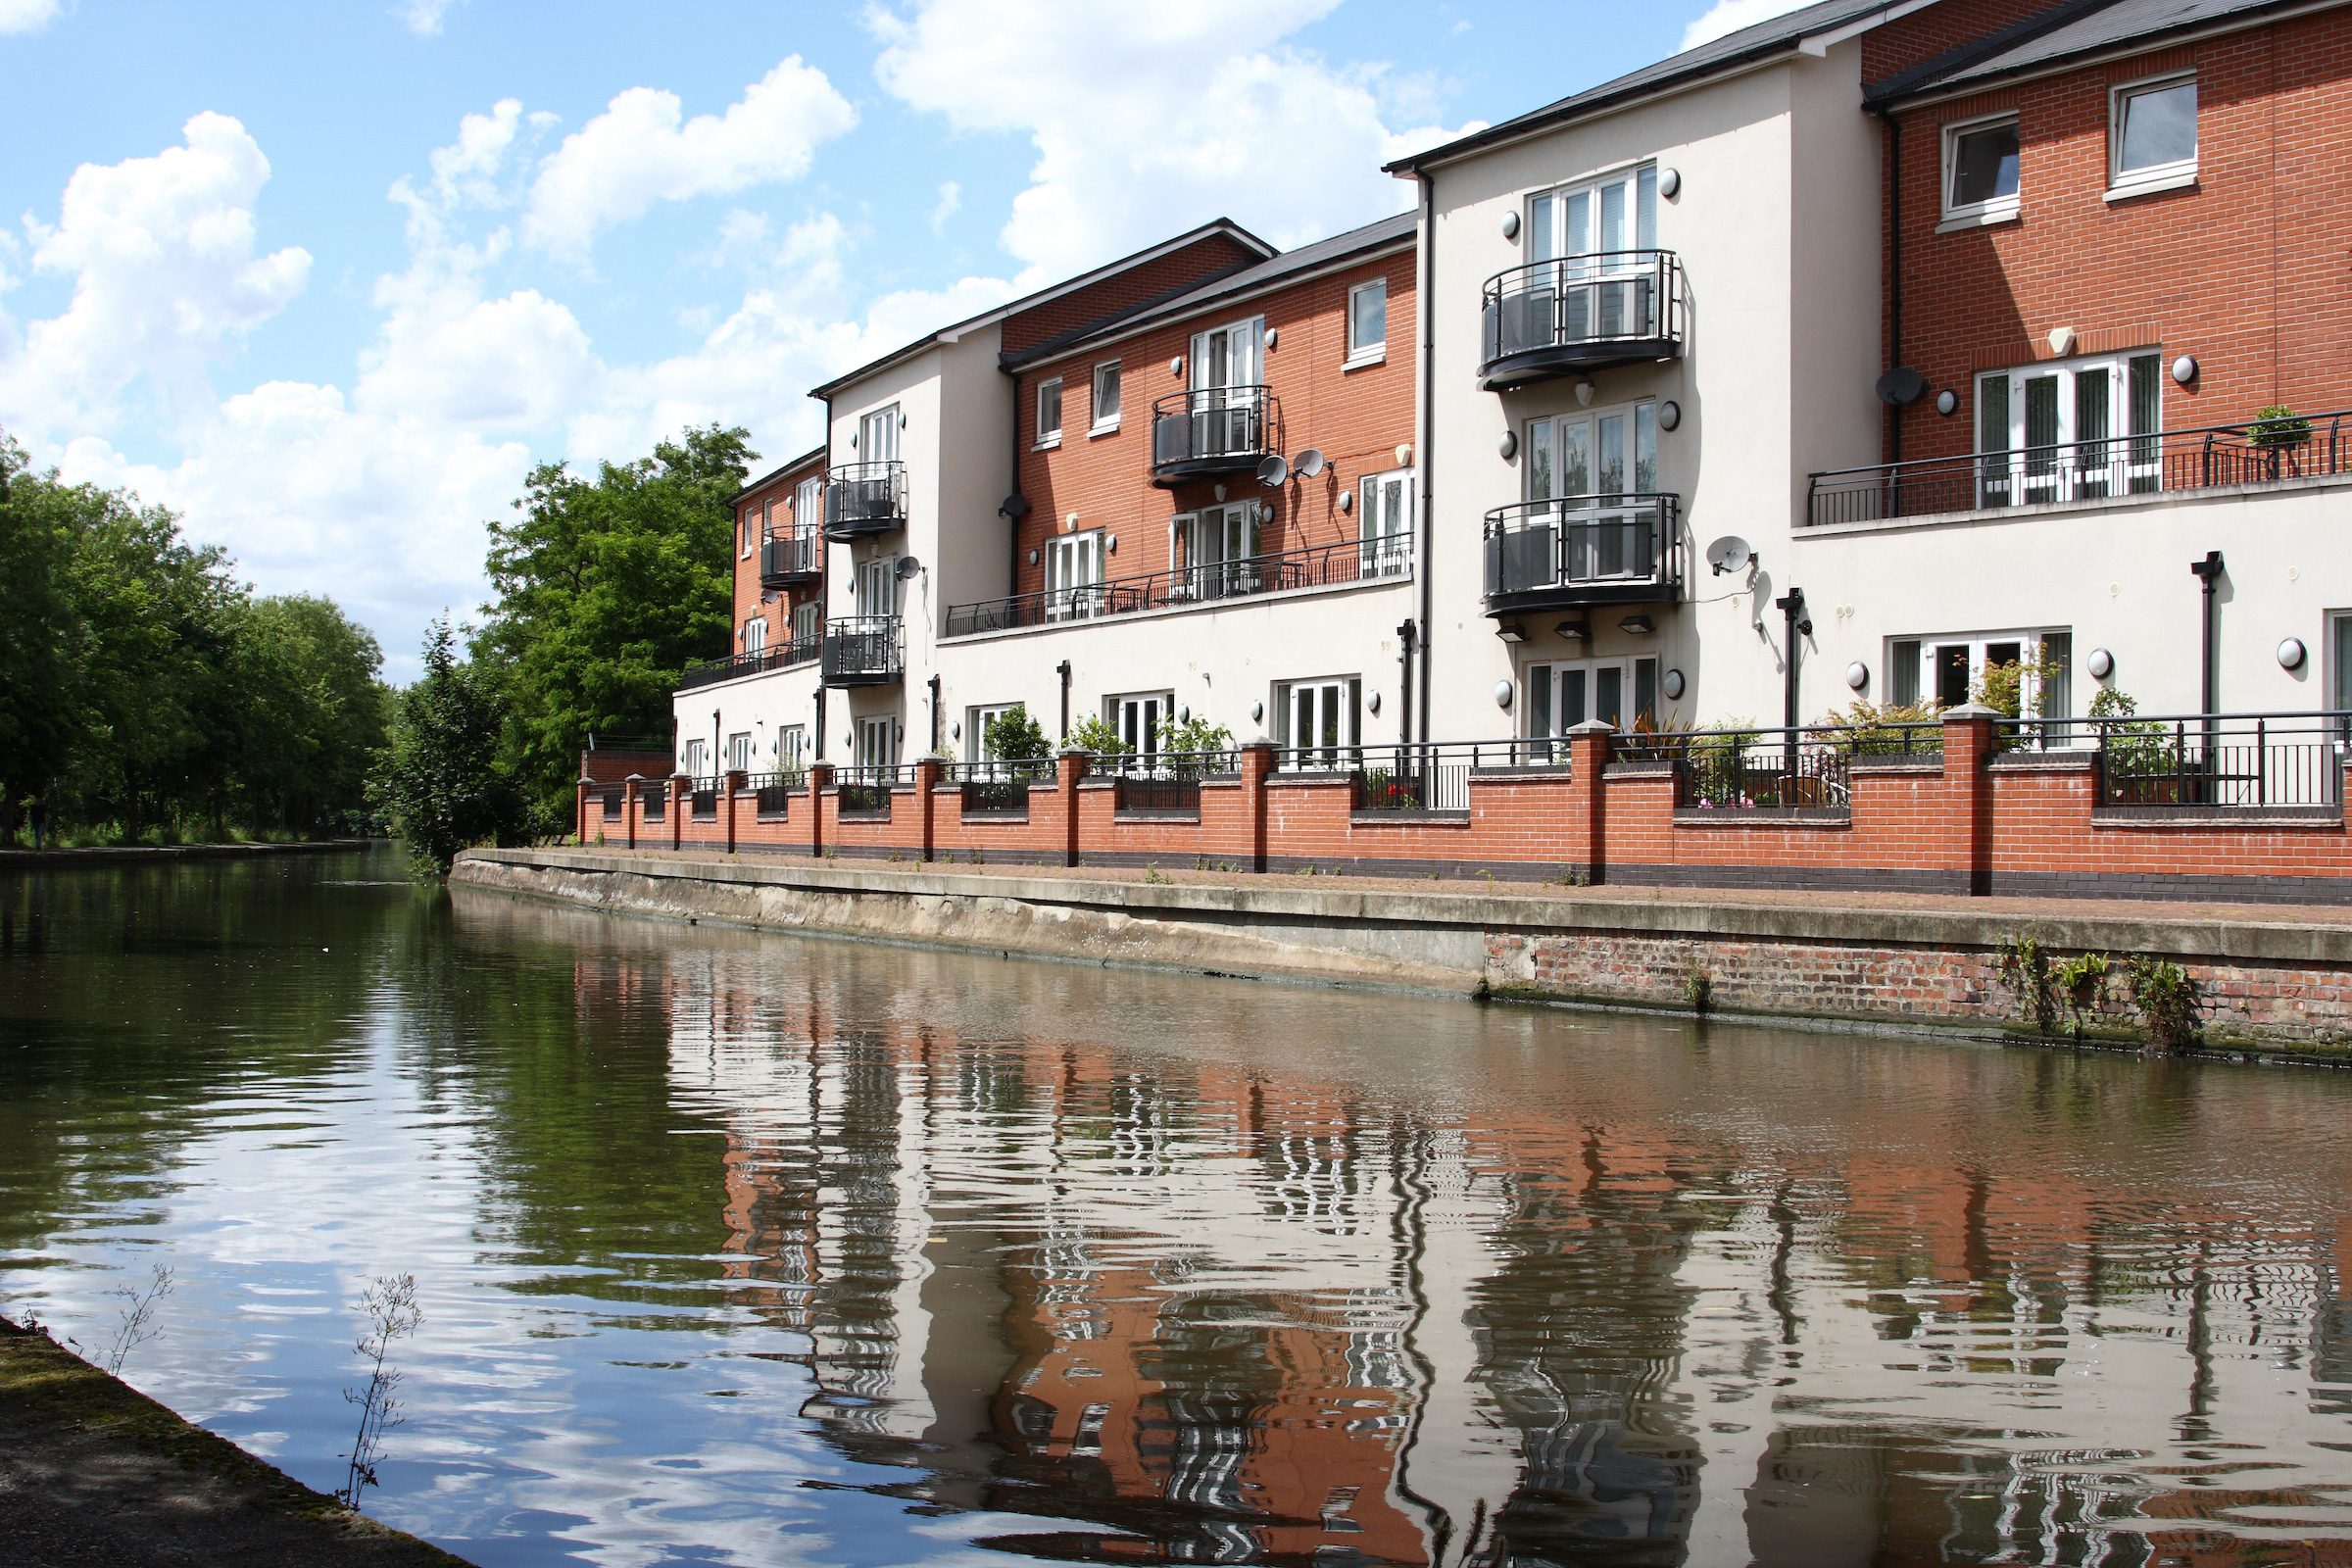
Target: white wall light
{"points": [[1672, 684], [1857, 675], [1503, 693], [1510, 225], [2290, 654], [1947, 403], [2184, 370], [1507, 445], [1670, 415], [2100, 664]]}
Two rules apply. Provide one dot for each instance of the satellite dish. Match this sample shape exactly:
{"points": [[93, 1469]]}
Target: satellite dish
{"points": [[1902, 385], [1310, 464], [1272, 469], [1729, 554], [907, 568], [1015, 506]]}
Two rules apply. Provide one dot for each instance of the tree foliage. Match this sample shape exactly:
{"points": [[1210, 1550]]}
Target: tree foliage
{"points": [[442, 783], [606, 589], [148, 691]]}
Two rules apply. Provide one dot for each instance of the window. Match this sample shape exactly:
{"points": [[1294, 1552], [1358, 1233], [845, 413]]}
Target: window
{"points": [[1622, 692], [1138, 717], [1980, 170], [792, 748], [1224, 409], [808, 506], [878, 742], [2339, 663], [1384, 521], [2070, 430], [1219, 545], [697, 756], [977, 746], [2152, 136], [878, 435], [807, 622], [1948, 670], [1049, 412], [878, 588], [739, 752], [754, 635], [1601, 237], [1602, 469], [1368, 321], [749, 533], [1106, 398], [1317, 720], [1074, 576]]}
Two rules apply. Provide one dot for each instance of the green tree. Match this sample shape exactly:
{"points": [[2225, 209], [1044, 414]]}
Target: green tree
{"points": [[607, 588], [41, 631], [442, 783], [1013, 736]]}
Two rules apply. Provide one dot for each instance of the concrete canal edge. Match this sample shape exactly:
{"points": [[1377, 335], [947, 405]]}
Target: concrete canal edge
{"points": [[13, 860], [91, 1470], [2273, 984]]}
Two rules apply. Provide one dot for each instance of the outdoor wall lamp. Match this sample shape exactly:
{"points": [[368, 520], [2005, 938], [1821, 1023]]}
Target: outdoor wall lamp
{"points": [[1670, 183], [1373, 703], [1346, 500], [1507, 445], [1638, 625], [1947, 403], [1510, 225], [1273, 337], [1672, 684], [956, 730], [1503, 693], [1511, 631], [2184, 370], [1257, 712], [1670, 415], [2100, 664], [1857, 675], [2290, 654]]}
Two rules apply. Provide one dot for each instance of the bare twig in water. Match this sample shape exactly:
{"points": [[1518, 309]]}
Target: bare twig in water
{"points": [[137, 1323], [392, 1313]]}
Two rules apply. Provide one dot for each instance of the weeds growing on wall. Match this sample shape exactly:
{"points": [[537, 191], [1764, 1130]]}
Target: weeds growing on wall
{"points": [[2167, 997], [2026, 968]]}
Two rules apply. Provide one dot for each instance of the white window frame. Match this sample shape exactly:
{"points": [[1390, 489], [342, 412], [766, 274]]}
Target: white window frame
{"points": [[1214, 567], [1994, 209], [1047, 438], [696, 750], [1141, 718], [754, 635], [1555, 690], [807, 620], [976, 720], [877, 741], [1385, 551], [878, 435], [2017, 473], [878, 583], [2339, 661], [792, 748], [2123, 183], [754, 524], [809, 505], [1338, 697], [739, 752], [1102, 425], [1362, 353], [1925, 653], [1074, 570]]}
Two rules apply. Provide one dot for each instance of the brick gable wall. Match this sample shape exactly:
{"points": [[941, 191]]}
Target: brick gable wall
{"points": [[777, 497], [1190, 263]]}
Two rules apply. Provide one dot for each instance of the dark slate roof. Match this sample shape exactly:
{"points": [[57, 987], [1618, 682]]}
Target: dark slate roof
{"points": [[1381, 235], [776, 473], [1219, 226], [1773, 36], [2067, 31]]}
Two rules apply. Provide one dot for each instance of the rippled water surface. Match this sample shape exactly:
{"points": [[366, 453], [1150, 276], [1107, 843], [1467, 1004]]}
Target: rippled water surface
{"points": [[740, 1248]]}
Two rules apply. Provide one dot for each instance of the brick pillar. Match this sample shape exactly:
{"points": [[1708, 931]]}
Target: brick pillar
{"points": [[926, 779], [1257, 762], [1968, 795], [581, 817], [1588, 798], [820, 779], [628, 805], [1069, 768], [682, 806], [731, 786]]}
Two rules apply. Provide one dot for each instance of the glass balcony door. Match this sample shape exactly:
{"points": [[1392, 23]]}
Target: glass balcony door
{"points": [[1621, 692], [1601, 469], [2083, 430], [1220, 543], [1601, 285], [1226, 373], [878, 588], [878, 436], [1074, 576]]}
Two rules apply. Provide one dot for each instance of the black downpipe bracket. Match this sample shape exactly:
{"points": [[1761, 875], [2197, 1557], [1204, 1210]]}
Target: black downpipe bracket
{"points": [[1424, 292]]}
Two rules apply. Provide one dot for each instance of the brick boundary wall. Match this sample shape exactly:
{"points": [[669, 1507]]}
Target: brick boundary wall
{"points": [[1974, 822]]}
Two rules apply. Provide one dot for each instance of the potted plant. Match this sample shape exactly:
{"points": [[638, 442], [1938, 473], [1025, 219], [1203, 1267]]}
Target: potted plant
{"points": [[2278, 432]]}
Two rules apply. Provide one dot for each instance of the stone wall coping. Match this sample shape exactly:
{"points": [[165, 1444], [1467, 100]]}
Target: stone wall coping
{"points": [[1810, 915], [2043, 761]]}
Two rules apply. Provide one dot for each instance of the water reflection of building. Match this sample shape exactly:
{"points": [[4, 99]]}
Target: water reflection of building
{"points": [[1226, 1312]]}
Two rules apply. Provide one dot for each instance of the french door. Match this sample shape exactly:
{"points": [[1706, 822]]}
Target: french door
{"points": [[1602, 470], [1384, 524], [877, 741], [1600, 236], [878, 588], [878, 436], [1073, 575], [2064, 432], [1226, 373], [1620, 692], [1316, 719], [1138, 720], [1220, 544]]}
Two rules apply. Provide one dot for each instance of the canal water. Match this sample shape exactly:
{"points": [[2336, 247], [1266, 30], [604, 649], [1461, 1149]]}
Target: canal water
{"points": [[743, 1249]]}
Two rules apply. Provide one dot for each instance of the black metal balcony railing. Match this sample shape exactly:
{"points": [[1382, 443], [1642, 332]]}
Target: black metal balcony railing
{"points": [[863, 789], [1580, 312], [612, 802], [865, 498], [1434, 777], [773, 791], [788, 560], [2111, 468], [1156, 783], [997, 788], [705, 800], [864, 651], [776, 655], [2207, 762], [1210, 431], [1387, 558], [1583, 550]]}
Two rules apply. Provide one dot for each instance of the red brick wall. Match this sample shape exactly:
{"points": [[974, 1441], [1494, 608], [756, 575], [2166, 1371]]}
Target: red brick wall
{"points": [[2248, 271], [1355, 418], [1165, 274], [1921, 36], [777, 497]]}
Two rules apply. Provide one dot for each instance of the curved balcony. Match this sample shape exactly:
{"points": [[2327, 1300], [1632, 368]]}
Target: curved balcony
{"points": [[789, 560], [1575, 313], [863, 499], [1583, 550], [1212, 432], [864, 651]]}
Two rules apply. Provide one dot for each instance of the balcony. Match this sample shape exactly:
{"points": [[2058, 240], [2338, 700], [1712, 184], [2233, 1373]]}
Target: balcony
{"points": [[2122, 467], [1387, 558], [863, 499], [1583, 550], [1212, 432], [865, 651], [789, 560], [794, 651], [1577, 314]]}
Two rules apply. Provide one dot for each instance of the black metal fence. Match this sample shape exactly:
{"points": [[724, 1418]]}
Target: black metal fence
{"points": [[863, 649], [655, 803], [2210, 761], [1805, 768], [1212, 425], [789, 557], [2274, 452], [774, 791], [997, 788], [1610, 544], [1166, 783], [614, 802], [1599, 298], [776, 655], [863, 789], [705, 797], [862, 498], [1352, 561]]}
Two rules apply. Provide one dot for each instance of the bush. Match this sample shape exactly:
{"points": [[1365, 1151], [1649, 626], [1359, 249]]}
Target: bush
{"points": [[2277, 426], [1013, 736], [1873, 730], [2166, 996], [1095, 735]]}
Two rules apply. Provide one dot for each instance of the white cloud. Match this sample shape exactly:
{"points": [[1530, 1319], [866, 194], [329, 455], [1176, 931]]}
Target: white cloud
{"points": [[641, 150], [422, 18], [950, 203], [26, 15], [1729, 15], [161, 250], [1147, 119]]}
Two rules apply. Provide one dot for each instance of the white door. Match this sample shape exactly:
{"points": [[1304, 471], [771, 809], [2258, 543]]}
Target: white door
{"points": [[2063, 432], [1221, 544], [877, 743], [1225, 388], [1621, 692], [792, 748], [1138, 721], [1318, 722], [1073, 575], [698, 757], [878, 436], [1600, 236], [1385, 523], [878, 588], [1602, 467], [739, 752]]}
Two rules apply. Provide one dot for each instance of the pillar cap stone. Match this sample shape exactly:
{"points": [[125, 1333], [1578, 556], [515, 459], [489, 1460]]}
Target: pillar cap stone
{"points": [[1972, 710], [1593, 726]]}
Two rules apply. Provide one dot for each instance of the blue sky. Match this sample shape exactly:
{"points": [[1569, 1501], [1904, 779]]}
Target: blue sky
{"points": [[329, 277]]}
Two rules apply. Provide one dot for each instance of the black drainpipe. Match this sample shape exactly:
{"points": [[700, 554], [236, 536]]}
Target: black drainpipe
{"points": [[1424, 292], [935, 713], [1894, 269], [1013, 487], [1404, 638], [824, 581], [1796, 627], [2209, 572], [1063, 670]]}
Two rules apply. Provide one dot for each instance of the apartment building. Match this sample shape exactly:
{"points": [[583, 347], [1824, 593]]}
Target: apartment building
{"points": [[779, 599]]}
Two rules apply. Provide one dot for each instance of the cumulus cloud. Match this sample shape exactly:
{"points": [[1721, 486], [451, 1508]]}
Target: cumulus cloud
{"points": [[641, 150], [422, 18], [26, 15], [166, 278], [1145, 120], [1725, 17]]}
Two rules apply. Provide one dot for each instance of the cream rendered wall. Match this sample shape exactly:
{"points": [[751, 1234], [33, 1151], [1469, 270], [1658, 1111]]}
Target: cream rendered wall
{"points": [[2116, 576], [763, 703], [1749, 405], [917, 386]]}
